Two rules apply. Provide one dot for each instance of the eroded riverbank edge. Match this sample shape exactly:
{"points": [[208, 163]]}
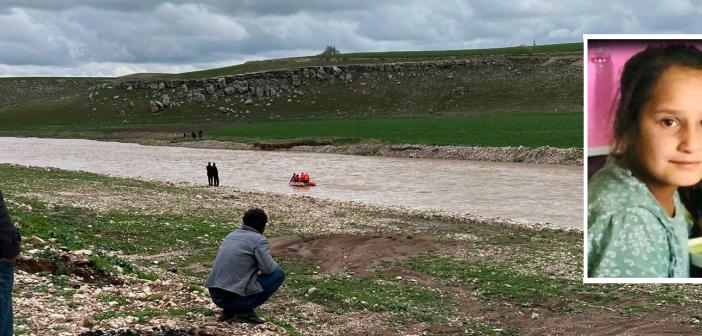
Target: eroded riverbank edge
{"points": [[538, 155]]}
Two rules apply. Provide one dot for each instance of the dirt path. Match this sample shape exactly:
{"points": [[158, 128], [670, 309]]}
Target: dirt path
{"points": [[362, 254], [357, 254]]}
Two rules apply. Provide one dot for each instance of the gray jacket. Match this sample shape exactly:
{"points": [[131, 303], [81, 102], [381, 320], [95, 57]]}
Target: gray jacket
{"points": [[242, 254]]}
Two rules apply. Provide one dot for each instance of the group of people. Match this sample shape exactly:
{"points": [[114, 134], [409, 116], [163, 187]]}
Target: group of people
{"points": [[302, 177], [212, 175], [192, 134]]}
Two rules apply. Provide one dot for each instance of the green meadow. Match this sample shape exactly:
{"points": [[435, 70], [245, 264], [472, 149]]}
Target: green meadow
{"points": [[562, 130]]}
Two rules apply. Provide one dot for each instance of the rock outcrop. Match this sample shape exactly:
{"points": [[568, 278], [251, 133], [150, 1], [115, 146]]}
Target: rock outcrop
{"points": [[254, 87]]}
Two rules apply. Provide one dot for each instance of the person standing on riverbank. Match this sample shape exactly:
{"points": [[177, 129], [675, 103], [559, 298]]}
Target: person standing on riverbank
{"points": [[210, 175], [9, 249], [215, 175], [244, 275]]}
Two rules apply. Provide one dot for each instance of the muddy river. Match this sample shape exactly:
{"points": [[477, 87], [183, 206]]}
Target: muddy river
{"points": [[535, 193]]}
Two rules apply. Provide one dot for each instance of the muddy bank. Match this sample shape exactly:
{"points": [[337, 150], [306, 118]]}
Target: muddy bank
{"points": [[357, 254], [539, 155]]}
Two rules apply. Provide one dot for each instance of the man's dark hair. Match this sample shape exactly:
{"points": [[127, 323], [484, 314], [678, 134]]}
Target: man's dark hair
{"points": [[256, 218]]}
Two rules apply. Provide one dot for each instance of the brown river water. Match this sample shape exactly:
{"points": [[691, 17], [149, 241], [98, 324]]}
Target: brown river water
{"points": [[528, 192]]}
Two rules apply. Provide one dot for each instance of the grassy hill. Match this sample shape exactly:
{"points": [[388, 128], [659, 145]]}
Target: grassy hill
{"points": [[532, 82]]}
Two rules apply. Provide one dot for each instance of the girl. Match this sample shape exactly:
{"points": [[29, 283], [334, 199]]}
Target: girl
{"points": [[637, 225]]}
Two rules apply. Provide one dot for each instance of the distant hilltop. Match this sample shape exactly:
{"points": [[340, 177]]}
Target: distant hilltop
{"points": [[457, 77]]}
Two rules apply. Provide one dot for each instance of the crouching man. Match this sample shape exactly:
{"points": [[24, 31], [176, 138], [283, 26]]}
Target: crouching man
{"points": [[244, 274]]}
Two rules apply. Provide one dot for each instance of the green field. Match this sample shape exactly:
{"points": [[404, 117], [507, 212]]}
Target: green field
{"points": [[525, 129]]}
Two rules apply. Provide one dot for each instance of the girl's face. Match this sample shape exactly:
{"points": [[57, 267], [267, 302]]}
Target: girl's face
{"points": [[670, 138]]}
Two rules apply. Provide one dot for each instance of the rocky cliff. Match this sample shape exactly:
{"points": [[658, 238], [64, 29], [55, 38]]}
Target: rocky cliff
{"points": [[545, 82]]}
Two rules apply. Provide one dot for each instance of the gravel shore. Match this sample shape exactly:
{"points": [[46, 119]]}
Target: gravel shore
{"points": [[538, 155]]}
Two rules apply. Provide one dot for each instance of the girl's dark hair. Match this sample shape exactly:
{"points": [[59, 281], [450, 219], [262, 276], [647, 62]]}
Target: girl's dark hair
{"points": [[255, 218], [691, 197], [641, 72]]}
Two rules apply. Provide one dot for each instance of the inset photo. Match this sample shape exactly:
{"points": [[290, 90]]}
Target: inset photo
{"points": [[643, 97]]}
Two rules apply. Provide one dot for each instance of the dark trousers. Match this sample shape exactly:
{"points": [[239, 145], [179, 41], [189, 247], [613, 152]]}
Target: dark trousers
{"points": [[216, 181], [7, 271], [233, 303], [210, 180]]}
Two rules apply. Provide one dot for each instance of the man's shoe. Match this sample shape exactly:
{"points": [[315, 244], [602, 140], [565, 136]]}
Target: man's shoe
{"points": [[226, 316], [248, 317]]}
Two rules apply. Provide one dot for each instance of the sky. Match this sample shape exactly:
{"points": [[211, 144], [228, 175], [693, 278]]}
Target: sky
{"points": [[120, 37]]}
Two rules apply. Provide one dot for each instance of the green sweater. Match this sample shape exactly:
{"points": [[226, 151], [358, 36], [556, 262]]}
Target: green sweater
{"points": [[629, 234]]}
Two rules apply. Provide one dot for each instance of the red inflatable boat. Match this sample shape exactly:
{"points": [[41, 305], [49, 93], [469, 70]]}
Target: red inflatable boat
{"points": [[301, 184]]}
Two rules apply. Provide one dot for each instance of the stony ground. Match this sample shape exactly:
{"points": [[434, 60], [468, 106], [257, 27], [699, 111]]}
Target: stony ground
{"points": [[111, 256], [539, 155]]}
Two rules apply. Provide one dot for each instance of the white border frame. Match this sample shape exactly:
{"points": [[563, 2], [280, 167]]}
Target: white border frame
{"points": [[597, 151]]}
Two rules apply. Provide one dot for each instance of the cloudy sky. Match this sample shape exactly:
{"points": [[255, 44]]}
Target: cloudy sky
{"points": [[114, 38]]}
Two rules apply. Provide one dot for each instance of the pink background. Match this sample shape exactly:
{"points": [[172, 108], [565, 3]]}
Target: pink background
{"points": [[606, 60]]}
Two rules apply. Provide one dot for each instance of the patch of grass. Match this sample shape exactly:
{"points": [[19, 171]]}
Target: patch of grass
{"points": [[343, 294], [637, 309], [107, 263], [155, 297], [23, 321], [79, 228], [194, 287], [484, 329], [492, 280], [497, 281], [106, 298], [106, 315], [523, 129], [289, 329], [667, 295], [147, 276], [66, 293]]}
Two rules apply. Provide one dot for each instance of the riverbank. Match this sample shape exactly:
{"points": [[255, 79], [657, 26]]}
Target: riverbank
{"points": [[132, 255], [538, 155], [546, 193]]}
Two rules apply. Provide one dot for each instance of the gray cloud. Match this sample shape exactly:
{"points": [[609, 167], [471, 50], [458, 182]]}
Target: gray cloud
{"points": [[89, 37]]}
